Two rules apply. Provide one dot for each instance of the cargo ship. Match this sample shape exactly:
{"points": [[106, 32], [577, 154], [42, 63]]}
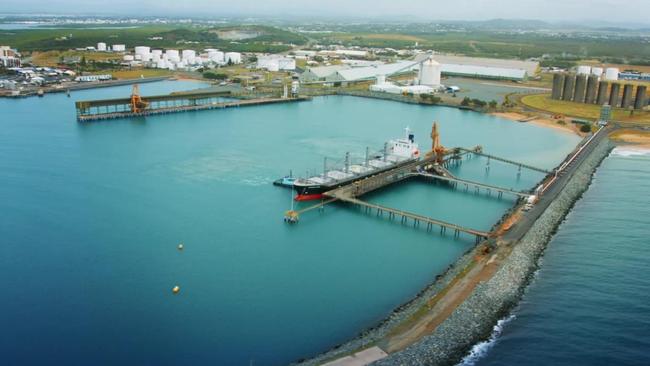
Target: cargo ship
{"points": [[395, 153]]}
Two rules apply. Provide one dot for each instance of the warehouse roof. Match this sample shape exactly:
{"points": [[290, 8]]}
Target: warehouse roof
{"points": [[371, 72], [529, 66], [323, 71], [484, 71]]}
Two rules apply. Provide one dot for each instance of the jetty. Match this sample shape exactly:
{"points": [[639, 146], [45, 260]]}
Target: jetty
{"points": [[432, 167], [141, 106]]}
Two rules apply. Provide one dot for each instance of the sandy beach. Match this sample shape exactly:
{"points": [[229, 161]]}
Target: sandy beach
{"points": [[637, 138], [539, 121]]}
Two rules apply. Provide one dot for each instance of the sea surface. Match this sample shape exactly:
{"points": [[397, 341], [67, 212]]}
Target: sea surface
{"points": [[91, 216], [589, 303]]}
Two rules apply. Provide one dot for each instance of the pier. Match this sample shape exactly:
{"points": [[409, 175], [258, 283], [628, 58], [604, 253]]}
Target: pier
{"points": [[137, 106], [504, 160], [431, 167]]}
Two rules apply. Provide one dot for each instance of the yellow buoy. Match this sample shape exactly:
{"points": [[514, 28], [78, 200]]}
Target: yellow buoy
{"points": [[176, 290], [180, 246]]}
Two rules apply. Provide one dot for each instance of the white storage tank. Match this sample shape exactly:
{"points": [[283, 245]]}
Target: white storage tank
{"points": [[233, 57], [156, 53], [172, 55], [584, 70], [118, 48], [101, 46], [430, 73], [215, 56], [611, 73], [189, 56], [598, 71], [128, 58]]}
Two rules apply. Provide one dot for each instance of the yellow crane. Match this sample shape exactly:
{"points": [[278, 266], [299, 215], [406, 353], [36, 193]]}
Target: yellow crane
{"points": [[138, 105], [437, 149]]}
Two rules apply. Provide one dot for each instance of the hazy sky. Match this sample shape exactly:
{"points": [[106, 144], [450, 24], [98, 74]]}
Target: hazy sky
{"points": [[606, 10]]}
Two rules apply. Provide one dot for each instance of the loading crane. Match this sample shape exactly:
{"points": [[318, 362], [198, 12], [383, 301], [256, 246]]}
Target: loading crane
{"points": [[138, 105]]}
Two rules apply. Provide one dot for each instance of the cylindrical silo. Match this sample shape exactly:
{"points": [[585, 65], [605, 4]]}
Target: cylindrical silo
{"points": [[584, 70], [558, 84], [641, 97], [569, 85], [614, 94], [603, 87], [581, 87], [627, 96], [592, 85], [430, 73], [598, 71]]}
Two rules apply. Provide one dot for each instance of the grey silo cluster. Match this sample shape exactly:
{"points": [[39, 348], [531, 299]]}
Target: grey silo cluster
{"points": [[626, 102], [592, 87], [558, 84], [614, 94], [587, 89], [569, 86], [603, 87], [641, 97], [581, 88]]}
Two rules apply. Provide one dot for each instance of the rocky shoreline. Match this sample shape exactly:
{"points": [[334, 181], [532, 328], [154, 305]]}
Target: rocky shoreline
{"points": [[473, 321]]}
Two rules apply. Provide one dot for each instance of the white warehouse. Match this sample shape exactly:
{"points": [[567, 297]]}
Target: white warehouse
{"points": [[276, 63]]}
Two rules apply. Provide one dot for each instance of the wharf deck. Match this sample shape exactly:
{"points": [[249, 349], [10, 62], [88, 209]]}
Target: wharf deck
{"points": [[198, 106], [468, 183], [521, 165]]}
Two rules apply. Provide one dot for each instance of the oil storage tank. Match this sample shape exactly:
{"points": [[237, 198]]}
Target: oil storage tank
{"points": [[581, 87], [614, 94], [558, 84], [626, 102], [641, 97], [592, 86], [569, 85], [430, 73]]}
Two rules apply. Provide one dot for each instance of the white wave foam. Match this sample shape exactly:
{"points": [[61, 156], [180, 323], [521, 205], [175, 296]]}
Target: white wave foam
{"points": [[481, 349], [627, 151]]}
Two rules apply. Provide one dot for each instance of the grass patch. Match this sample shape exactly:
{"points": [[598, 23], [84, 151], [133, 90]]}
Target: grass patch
{"points": [[137, 73], [581, 110]]}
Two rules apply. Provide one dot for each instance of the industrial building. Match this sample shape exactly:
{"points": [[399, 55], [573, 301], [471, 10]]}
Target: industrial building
{"points": [[484, 72], [315, 74], [486, 68], [371, 73], [9, 57], [276, 63], [585, 88]]}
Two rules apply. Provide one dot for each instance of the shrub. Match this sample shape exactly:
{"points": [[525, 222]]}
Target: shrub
{"points": [[214, 76], [585, 128]]}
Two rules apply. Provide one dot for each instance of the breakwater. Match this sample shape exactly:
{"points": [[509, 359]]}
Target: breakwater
{"points": [[473, 321]]}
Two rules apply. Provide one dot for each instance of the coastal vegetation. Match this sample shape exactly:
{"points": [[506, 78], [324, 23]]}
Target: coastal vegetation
{"points": [[543, 102]]}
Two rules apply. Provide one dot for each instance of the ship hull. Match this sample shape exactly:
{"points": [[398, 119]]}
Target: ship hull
{"points": [[316, 191]]}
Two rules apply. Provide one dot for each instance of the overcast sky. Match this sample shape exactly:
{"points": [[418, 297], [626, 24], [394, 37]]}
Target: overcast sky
{"points": [[606, 10]]}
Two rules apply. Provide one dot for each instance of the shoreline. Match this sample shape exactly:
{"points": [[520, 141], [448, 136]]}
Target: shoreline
{"points": [[538, 121]]}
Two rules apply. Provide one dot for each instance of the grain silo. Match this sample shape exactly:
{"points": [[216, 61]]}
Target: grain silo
{"points": [[569, 85], [581, 87], [598, 71], [641, 97], [603, 87], [592, 86], [558, 84], [614, 94], [430, 73], [627, 96]]}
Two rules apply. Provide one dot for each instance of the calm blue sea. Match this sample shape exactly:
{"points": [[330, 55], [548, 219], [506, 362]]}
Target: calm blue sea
{"points": [[590, 301], [91, 215]]}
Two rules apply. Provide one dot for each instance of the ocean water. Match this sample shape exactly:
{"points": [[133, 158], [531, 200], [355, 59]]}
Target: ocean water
{"points": [[589, 303], [91, 215]]}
